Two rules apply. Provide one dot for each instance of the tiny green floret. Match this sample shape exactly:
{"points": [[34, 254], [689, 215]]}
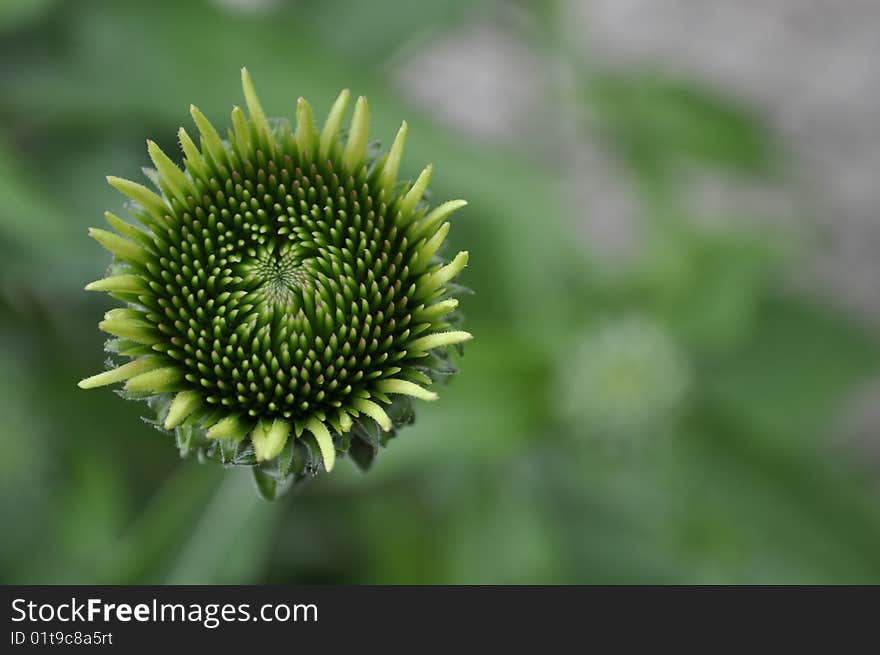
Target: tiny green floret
{"points": [[284, 294]]}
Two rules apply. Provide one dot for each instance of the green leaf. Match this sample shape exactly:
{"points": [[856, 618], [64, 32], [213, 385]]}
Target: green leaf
{"points": [[661, 121], [707, 284], [791, 378]]}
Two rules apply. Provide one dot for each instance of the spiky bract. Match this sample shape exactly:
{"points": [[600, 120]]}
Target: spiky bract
{"points": [[284, 298]]}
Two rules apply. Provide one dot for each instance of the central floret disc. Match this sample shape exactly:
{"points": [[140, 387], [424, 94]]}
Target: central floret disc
{"points": [[305, 308], [281, 276]]}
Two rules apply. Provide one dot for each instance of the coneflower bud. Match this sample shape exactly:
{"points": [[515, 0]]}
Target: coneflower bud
{"points": [[625, 378], [284, 297]]}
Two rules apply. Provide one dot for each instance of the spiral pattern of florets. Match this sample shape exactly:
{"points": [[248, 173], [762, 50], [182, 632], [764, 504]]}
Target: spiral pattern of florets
{"points": [[284, 283]]}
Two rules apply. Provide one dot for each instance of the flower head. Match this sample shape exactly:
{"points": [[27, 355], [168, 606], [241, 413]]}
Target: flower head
{"points": [[624, 378], [284, 297]]}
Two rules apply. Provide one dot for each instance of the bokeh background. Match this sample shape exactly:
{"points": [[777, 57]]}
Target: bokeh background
{"points": [[673, 231]]}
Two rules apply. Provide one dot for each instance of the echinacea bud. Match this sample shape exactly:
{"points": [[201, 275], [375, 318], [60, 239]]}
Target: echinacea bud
{"points": [[625, 378], [285, 299]]}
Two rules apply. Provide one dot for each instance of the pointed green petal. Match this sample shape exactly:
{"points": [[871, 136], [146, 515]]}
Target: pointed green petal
{"points": [[269, 438], [330, 134], [356, 146], [434, 312], [429, 223], [255, 109], [453, 268], [213, 142], [406, 388], [170, 176], [127, 229], [123, 312], [119, 284], [424, 344], [392, 164], [167, 378], [150, 201], [306, 132], [137, 350], [373, 410], [325, 442], [231, 427], [418, 376], [427, 252], [184, 404], [194, 161], [414, 195], [127, 328], [119, 246], [240, 130], [122, 373]]}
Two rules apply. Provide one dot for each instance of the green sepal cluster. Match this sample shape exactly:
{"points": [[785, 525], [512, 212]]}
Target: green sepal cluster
{"points": [[285, 298]]}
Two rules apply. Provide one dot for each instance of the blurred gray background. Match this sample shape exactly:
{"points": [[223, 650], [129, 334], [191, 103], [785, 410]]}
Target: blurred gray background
{"points": [[811, 68]]}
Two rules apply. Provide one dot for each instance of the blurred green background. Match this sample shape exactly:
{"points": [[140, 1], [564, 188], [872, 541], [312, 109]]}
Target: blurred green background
{"points": [[667, 416]]}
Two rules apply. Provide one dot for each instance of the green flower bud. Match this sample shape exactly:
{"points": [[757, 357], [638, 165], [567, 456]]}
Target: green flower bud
{"points": [[284, 299], [624, 378]]}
